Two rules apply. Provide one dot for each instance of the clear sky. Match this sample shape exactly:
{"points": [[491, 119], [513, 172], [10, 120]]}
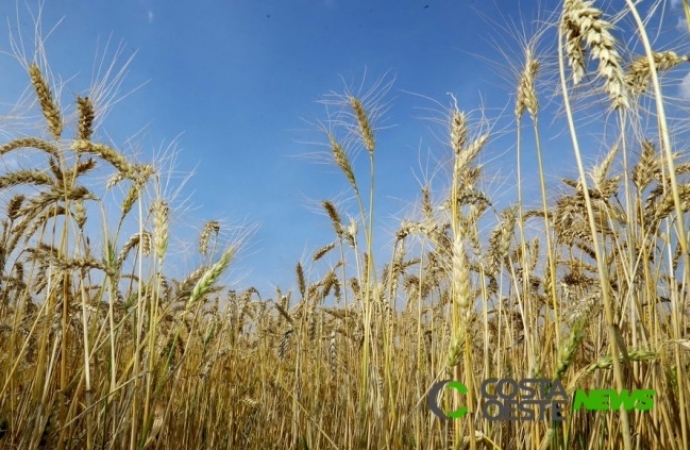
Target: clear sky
{"points": [[236, 85]]}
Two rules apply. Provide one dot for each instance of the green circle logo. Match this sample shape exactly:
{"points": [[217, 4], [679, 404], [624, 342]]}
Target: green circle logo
{"points": [[432, 399]]}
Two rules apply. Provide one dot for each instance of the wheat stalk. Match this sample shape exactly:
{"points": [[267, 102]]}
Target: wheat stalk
{"points": [[48, 104], [585, 29], [639, 74]]}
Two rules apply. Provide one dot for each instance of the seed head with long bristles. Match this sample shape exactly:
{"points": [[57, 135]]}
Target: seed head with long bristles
{"points": [[526, 93], [638, 75], [334, 216], [160, 226], [342, 161], [211, 227], [585, 29], [86, 118], [458, 130], [364, 125], [47, 102], [209, 277]]}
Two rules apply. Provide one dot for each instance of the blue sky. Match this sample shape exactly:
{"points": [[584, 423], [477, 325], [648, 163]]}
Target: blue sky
{"points": [[236, 85]]}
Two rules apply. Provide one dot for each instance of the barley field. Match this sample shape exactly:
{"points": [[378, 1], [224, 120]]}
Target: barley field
{"points": [[101, 348]]}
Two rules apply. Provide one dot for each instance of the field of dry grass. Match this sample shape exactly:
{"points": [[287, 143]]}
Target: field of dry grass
{"points": [[100, 348]]}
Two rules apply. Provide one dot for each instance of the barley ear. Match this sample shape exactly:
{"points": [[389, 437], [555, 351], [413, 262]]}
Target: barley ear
{"points": [[638, 76], [526, 93], [47, 102], [301, 283], [364, 126], [86, 117], [209, 277], [160, 227], [458, 130], [334, 216], [211, 227], [320, 253], [585, 29], [342, 161]]}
